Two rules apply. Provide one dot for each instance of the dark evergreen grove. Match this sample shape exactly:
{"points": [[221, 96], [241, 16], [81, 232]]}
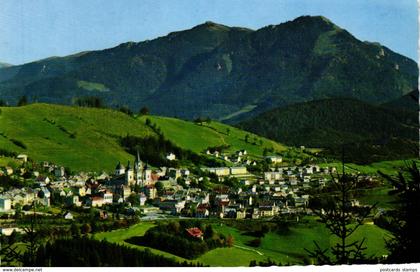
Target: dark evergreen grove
{"points": [[86, 252], [405, 219], [371, 133], [172, 237], [155, 149]]}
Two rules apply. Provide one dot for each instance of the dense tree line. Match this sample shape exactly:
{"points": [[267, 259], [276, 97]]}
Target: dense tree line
{"points": [[171, 243], [7, 153], [172, 237], [218, 148], [404, 220], [89, 101], [266, 263], [126, 110], [155, 149], [88, 252], [371, 133], [23, 101], [8, 182], [18, 143]]}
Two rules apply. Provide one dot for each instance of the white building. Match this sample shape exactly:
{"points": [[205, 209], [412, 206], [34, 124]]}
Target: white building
{"points": [[272, 176], [143, 199], [120, 169], [219, 171], [59, 172], [274, 159], [9, 231], [68, 216], [240, 170], [22, 157], [5, 204], [108, 196], [171, 157]]}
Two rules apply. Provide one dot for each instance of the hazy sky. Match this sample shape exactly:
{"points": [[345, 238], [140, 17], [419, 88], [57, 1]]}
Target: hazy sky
{"points": [[31, 30]]}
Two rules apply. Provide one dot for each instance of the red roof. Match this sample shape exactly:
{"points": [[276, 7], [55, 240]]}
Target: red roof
{"points": [[223, 203], [195, 232], [203, 206]]}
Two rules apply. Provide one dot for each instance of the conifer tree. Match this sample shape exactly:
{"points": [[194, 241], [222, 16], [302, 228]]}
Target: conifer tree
{"points": [[405, 246], [342, 220]]}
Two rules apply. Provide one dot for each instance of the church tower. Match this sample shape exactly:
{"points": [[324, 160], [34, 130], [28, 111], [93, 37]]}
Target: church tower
{"points": [[129, 175], [138, 170], [119, 170]]}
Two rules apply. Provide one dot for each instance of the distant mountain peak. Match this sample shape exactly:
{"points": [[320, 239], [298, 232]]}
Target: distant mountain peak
{"points": [[318, 18], [212, 26], [3, 65], [211, 23]]}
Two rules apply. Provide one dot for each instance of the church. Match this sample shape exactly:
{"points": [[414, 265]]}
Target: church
{"points": [[138, 174]]}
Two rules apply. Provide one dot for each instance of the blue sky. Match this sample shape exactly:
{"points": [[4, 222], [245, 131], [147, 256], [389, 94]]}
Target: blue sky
{"points": [[31, 30]]}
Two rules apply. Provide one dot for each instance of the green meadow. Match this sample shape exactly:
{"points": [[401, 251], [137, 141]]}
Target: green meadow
{"points": [[119, 236], [80, 138], [387, 167], [7, 161], [288, 248], [284, 248], [86, 139], [379, 196], [198, 138]]}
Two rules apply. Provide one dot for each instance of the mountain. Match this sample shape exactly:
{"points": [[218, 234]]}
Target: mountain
{"points": [[3, 65], [89, 139], [226, 73], [369, 133]]}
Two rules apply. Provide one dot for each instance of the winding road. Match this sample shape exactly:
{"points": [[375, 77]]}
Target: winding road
{"points": [[250, 249]]}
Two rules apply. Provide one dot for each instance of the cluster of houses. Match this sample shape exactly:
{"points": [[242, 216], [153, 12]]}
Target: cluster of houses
{"points": [[24, 196], [282, 190], [241, 157], [238, 157]]}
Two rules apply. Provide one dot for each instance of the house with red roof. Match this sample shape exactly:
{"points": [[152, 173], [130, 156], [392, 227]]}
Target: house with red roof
{"points": [[195, 232]]}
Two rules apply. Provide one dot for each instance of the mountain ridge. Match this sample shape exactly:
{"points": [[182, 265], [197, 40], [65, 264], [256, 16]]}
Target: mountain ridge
{"points": [[215, 70], [369, 132]]}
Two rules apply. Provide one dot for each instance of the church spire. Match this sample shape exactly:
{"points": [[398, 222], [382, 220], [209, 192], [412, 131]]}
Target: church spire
{"points": [[138, 157]]}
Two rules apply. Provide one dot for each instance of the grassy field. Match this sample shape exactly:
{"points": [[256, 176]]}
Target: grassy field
{"points": [[380, 196], [46, 132], [387, 167], [6, 161], [286, 248], [118, 236], [86, 138], [198, 138]]}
